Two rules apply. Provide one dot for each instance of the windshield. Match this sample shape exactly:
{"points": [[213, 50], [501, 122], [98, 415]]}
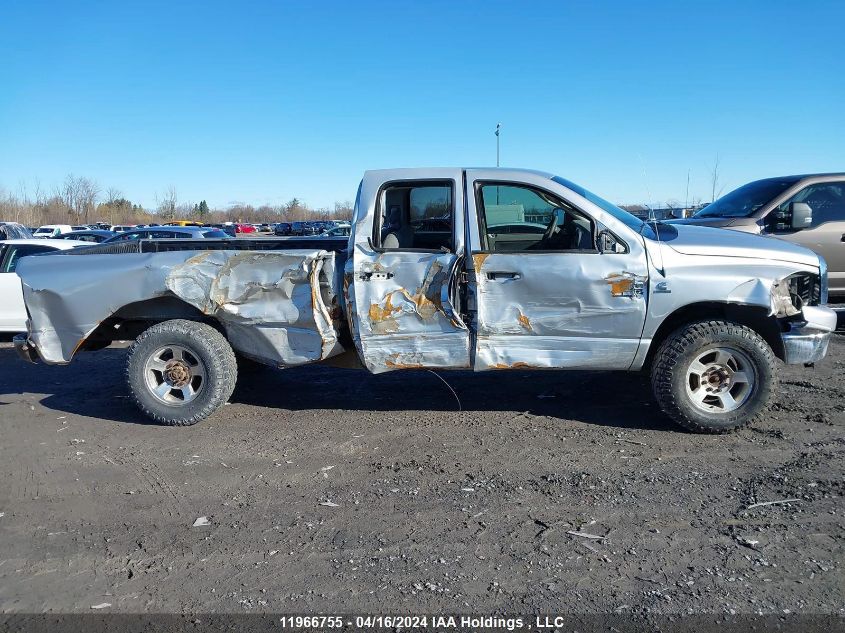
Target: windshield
{"points": [[630, 220], [743, 202]]}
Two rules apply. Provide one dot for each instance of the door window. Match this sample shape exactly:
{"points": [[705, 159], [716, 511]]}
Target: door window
{"points": [[14, 254], [416, 216], [520, 218], [826, 199]]}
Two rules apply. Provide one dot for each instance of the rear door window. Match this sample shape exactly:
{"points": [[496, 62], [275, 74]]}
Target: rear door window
{"points": [[416, 216]]}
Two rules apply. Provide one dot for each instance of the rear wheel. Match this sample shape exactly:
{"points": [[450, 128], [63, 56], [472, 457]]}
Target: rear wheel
{"points": [[714, 376], [179, 372]]}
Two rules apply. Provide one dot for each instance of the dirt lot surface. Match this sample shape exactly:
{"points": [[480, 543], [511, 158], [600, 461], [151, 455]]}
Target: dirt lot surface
{"points": [[334, 490]]}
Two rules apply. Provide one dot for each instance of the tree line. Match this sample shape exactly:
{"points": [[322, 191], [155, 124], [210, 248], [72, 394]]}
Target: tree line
{"points": [[80, 200]]}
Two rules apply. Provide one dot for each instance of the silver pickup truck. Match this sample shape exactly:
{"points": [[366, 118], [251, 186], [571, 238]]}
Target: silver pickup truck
{"points": [[482, 269]]}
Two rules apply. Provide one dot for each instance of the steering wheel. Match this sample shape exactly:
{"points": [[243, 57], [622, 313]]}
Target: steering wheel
{"points": [[550, 230]]}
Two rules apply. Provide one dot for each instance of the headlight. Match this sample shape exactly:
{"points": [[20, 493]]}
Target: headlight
{"points": [[804, 289]]}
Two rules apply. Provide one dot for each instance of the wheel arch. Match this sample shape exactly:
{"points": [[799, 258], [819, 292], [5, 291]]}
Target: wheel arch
{"points": [[129, 321], [755, 317]]}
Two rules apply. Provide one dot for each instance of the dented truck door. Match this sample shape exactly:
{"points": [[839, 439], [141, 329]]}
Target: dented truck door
{"points": [[400, 282], [542, 292]]}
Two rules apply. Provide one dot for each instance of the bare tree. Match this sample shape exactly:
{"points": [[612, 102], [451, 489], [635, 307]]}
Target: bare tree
{"points": [[80, 196], [715, 181], [113, 194], [167, 203], [69, 192], [88, 192]]}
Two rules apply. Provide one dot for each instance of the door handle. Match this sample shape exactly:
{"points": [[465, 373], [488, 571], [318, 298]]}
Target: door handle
{"points": [[502, 275], [843, 238]]}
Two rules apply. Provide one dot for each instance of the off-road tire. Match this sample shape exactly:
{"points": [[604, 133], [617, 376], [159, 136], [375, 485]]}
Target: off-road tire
{"points": [[206, 344], [677, 352]]}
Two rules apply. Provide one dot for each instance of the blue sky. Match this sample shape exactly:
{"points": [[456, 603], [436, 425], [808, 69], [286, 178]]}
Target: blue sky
{"points": [[259, 102]]}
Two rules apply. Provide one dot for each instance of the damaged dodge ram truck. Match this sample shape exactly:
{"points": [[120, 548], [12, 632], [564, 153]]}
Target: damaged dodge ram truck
{"points": [[482, 269]]}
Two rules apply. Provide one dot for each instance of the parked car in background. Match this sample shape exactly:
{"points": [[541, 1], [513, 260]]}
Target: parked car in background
{"points": [[12, 311], [807, 210], [14, 231], [303, 228], [338, 231], [52, 230], [88, 235], [120, 228], [182, 223], [244, 228], [228, 229], [168, 232], [281, 229]]}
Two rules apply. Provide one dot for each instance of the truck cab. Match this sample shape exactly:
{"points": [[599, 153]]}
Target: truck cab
{"points": [[449, 270]]}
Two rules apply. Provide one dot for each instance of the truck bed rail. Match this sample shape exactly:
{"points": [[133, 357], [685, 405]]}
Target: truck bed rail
{"points": [[177, 244]]}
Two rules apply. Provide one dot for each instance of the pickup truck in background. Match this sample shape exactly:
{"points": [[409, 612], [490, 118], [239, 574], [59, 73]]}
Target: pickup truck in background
{"points": [[438, 274], [806, 210]]}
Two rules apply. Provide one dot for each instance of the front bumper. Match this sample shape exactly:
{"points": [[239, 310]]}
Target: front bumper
{"points": [[806, 341], [24, 349]]}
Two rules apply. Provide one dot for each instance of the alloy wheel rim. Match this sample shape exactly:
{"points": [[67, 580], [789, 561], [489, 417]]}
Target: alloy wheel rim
{"points": [[174, 375], [720, 380]]}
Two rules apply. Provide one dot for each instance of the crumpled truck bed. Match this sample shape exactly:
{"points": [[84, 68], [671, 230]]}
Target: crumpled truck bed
{"points": [[275, 306]]}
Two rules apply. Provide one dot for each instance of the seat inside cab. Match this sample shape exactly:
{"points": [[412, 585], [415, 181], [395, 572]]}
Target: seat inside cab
{"points": [[417, 216]]}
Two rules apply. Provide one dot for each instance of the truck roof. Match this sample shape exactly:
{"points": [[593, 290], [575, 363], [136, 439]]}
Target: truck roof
{"points": [[415, 173]]}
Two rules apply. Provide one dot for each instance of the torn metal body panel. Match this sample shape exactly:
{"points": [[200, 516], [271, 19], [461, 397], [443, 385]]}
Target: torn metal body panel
{"points": [[274, 306], [400, 305], [683, 274]]}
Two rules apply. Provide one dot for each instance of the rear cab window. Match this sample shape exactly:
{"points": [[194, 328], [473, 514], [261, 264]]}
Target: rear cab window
{"points": [[416, 215]]}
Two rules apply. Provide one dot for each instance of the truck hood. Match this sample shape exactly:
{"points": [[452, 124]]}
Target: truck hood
{"points": [[704, 240], [714, 221]]}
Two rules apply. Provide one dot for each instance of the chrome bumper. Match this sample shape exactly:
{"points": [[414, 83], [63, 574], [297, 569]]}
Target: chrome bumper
{"points": [[24, 349], [806, 341]]}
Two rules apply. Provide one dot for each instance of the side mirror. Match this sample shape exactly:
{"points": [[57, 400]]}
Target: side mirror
{"points": [[607, 243], [802, 215]]}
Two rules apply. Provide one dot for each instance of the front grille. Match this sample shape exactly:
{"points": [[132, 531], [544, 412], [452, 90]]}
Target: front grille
{"points": [[807, 287]]}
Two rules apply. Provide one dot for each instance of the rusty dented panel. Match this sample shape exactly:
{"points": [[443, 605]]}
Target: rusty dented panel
{"points": [[553, 310], [402, 305], [273, 305]]}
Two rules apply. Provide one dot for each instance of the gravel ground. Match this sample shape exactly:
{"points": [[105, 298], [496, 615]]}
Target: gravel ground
{"points": [[334, 490]]}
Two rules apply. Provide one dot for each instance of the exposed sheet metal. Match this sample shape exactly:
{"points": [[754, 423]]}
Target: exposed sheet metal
{"points": [[404, 312], [275, 306], [398, 301], [271, 303]]}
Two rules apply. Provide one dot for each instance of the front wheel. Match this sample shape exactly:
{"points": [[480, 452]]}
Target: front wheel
{"points": [[714, 376], [179, 372]]}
